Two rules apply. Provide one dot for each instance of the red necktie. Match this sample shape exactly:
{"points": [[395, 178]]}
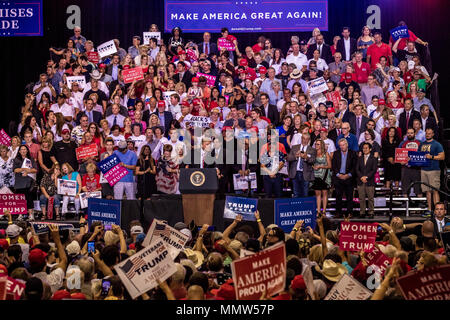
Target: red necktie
{"points": [[206, 49], [407, 120], [221, 114]]}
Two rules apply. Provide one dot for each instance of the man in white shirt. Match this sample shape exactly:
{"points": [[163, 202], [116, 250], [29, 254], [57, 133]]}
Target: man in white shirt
{"points": [[174, 105], [62, 107], [370, 125], [43, 86], [298, 58], [115, 118], [138, 138]]}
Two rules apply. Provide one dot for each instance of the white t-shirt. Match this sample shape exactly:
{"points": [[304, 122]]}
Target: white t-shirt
{"points": [[117, 139], [65, 109], [139, 142], [39, 95], [300, 60], [329, 144]]}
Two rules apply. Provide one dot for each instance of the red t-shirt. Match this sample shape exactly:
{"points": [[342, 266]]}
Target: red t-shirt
{"points": [[408, 77], [92, 184], [404, 41], [362, 73], [375, 52]]}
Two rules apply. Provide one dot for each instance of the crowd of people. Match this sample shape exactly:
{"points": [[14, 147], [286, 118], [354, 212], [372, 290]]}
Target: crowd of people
{"points": [[257, 91], [335, 140]]}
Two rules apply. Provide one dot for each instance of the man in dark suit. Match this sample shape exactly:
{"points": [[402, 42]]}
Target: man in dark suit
{"points": [[165, 117], [346, 45], [207, 46], [366, 167], [427, 121], [360, 120], [336, 132], [324, 49], [183, 75], [343, 167], [301, 159], [114, 66], [93, 116], [407, 117], [346, 115], [268, 110], [248, 105], [439, 220]]}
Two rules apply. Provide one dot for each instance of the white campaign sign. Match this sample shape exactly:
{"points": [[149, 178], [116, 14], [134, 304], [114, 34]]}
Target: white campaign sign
{"points": [[140, 272], [317, 86], [149, 35], [67, 187], [106, 49], [86, 195], [241, 182], [81, 80], [347, 288], [173, 239]]}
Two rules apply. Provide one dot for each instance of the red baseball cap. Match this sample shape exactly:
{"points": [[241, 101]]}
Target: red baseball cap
{"points": [[4, 244], [323, 130], [331, 110], [226, 291], [161, 103], [241, 71], [255, 128], [185, 103], [382, 102], [61, 294], [243, 62], [196, 102], [3, 270], [194, 79], [102, 66], [249, 77], [298, 283], [37, 257], [262, 70]]}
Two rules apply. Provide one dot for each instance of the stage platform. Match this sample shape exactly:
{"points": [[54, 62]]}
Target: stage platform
{"points": [[170, 209]]}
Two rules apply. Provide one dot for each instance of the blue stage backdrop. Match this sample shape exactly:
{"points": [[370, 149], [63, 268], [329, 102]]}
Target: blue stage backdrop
{"points": [[21, 18], [245, 16]]}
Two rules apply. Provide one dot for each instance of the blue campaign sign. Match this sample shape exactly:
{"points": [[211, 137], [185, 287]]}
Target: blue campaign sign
{"points": [[108, 163], [418, 159], [289, 211], [105, 211], [399, 32], [43, 227], [243, 206], [245, 16], [21, 18]]}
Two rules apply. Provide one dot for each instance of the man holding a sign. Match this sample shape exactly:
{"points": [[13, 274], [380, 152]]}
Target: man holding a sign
{"points": [[432, 173]]}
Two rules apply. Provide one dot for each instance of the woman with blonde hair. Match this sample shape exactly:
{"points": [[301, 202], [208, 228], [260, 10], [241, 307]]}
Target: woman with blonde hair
{"points": [[127, 62], [6, 168], [322, 174], [153, 121], [15, 144], [315, 33], [180, 88], [392, 123], [392, 102], [127, 130], [105, 129], [46, 156]]}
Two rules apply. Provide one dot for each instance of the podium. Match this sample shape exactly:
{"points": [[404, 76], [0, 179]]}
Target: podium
{"points": [[198, 188]]}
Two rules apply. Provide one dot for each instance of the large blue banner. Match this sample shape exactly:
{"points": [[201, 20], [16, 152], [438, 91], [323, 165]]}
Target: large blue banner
{"points": [[289, 211], [243, 206], [246, 16], [21, 18], [105, 211]]}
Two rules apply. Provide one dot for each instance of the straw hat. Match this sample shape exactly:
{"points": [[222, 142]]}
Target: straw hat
{"points": [[331, 270], [195, 256]]}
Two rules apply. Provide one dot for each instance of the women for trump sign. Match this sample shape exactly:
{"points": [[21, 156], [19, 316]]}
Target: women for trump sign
{"points": [[265, 270], [356, 236], [112, 171]]}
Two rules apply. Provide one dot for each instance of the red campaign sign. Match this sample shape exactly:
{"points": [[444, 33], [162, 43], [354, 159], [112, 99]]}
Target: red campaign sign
{"points": [[210, 80], [357, 236], [87, 151], [224, 43], [115, 174], [133, 74], [4, 138], [93, 57], [379, 259], [14, 288], [401, 155], [265, 270], [15, 203], [191, 54], [334, 97], [428, 284]]}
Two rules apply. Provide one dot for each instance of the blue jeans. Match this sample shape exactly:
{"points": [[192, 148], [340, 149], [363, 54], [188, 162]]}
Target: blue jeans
{"points": [[300, 186], [57, 202], [273, 185]]}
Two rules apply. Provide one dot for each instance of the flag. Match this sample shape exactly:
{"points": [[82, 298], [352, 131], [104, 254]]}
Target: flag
{"points": [[131, 266]]}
